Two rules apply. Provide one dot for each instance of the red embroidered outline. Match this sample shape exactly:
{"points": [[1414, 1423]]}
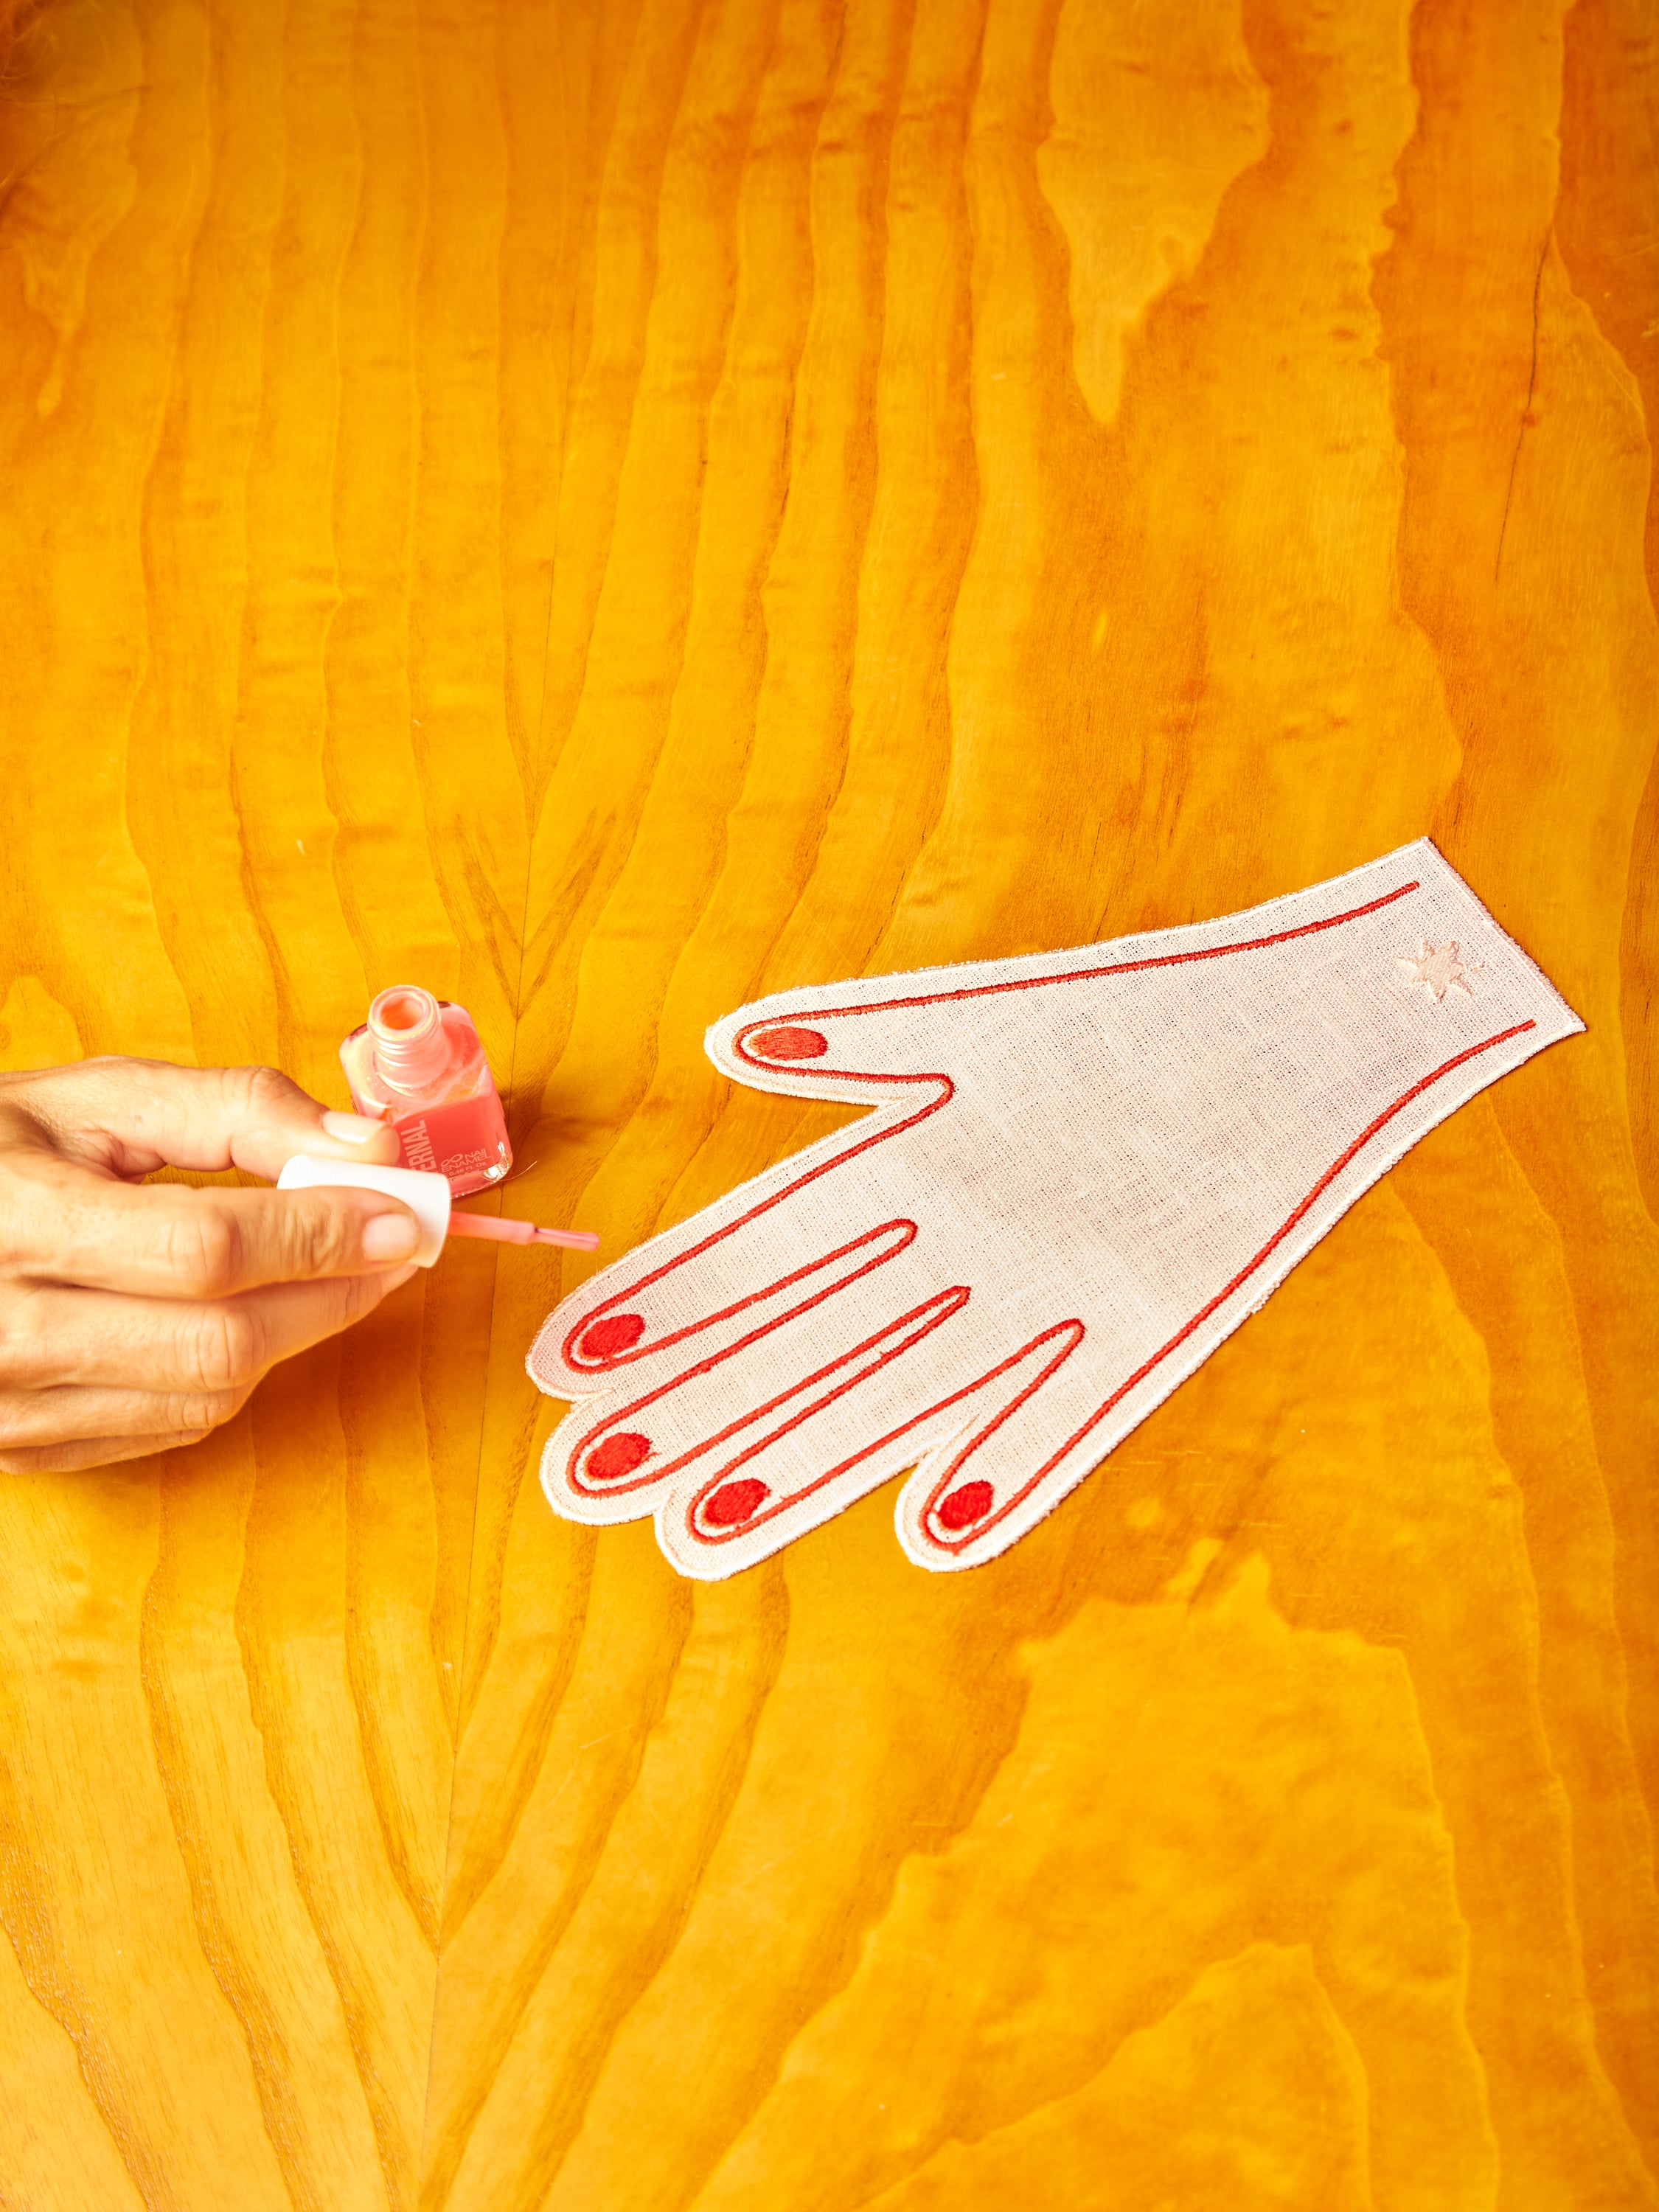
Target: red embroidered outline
{"points": [[756, 1297], [606, 1363], [717, 1358], [725, 1536], [982, 1528], [1073, 976], [937, 1309]]}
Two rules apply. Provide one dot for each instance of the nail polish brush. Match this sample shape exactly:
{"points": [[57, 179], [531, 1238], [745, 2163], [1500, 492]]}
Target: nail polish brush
{"points": [[500, 1229], [427, 1198]]}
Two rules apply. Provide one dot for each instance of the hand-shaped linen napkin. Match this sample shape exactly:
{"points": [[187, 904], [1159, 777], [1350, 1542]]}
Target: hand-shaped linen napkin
{"points": [[1083, 1170]]}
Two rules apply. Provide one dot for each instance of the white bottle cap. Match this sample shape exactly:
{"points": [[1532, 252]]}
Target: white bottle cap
{"points": [[427, 1196]]}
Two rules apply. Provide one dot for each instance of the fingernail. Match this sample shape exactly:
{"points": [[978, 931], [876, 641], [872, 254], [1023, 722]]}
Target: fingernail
{"points": [[390, 1237], [352, 1129]]}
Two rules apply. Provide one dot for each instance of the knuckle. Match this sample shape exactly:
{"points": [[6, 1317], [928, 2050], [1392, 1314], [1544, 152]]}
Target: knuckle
{"points": [[269, 1086], [193, 1412], [320, 1240], [229, 1351], [205, 1249], [358, 1295], [26, 1346], [257, 1091]]}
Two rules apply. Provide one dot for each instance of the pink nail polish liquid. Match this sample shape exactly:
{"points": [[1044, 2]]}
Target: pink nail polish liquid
{"points": [[418, 1063]]}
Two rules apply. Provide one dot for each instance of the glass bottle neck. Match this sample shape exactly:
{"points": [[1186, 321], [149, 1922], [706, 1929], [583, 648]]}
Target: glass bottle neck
{"points": [[411, 1045]]}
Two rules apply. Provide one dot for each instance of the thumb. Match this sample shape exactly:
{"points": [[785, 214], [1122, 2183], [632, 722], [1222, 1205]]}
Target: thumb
{"points": [[132, 1116]]}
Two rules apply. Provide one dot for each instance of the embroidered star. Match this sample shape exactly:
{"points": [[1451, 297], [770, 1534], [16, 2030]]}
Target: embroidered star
{"points": [[1438, 970]]}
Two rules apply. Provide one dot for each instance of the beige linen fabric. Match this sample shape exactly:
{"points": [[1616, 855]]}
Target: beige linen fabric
{"points": [[1083, 1170]]}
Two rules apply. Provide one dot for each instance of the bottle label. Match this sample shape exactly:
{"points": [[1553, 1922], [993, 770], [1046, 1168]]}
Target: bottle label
{"points": [[463, 1139]]}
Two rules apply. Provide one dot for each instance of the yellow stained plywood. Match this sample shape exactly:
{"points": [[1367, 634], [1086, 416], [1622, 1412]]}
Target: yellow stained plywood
{"points": [[609, 507]]}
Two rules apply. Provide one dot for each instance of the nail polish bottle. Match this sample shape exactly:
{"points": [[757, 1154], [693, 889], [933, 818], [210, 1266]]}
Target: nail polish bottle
{"points": [[418, 1063]]}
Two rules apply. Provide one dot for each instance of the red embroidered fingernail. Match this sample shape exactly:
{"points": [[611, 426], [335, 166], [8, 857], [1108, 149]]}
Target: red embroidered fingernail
{"points": [[735, 1502], [965, 1506], [618, 1455], [791, 1044], [611, 1332]]}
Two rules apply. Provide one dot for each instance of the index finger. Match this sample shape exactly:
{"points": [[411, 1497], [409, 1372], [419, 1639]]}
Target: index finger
{"points": [[64, 1224], [132, 1116]]}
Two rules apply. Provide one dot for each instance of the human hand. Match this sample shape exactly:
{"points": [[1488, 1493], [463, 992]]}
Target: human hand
{"points": [[134, 1319], [1084, 1170]]}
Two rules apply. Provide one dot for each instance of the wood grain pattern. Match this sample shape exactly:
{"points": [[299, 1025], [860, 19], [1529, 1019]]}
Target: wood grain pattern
{"points": [[609, 507]]}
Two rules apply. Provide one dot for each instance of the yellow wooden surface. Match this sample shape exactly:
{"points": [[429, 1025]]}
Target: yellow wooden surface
{"points": [[608, 506]]}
